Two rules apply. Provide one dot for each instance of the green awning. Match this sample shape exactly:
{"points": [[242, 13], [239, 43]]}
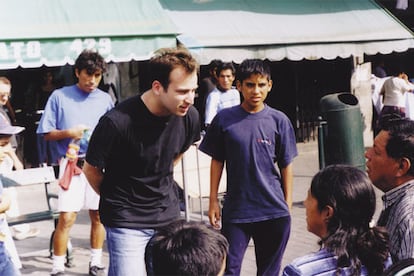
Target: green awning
{"points": [[292, 29], [54, 32]]}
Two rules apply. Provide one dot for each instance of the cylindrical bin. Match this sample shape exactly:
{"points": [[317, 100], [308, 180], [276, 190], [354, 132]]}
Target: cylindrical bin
{"points": [[342, 139]]}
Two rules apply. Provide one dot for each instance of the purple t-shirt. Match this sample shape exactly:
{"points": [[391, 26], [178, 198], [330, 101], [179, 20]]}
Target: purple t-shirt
{"points": [[251, 145]]}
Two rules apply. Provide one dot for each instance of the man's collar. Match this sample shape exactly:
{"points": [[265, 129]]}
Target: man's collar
{"points": [[393, 195], [219, 88]]}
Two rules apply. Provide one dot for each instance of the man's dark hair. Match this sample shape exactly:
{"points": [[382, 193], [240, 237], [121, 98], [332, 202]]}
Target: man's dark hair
{"points": [[186, 248], [167, 59], [225, 66], [5, 136], [350, 194], [214, 64], [90, 60], [401, 140], [253, 66]]}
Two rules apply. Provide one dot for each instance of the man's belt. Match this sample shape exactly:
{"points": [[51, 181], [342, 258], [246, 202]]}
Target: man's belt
{"points": [[80, 162]]}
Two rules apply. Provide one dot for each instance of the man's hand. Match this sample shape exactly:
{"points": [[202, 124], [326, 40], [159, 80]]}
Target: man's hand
{"points": [[77, 131], [214, 213], [2, 153]]}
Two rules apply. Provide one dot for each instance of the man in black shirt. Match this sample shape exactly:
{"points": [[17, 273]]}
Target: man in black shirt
{"points": [[132, 153]]}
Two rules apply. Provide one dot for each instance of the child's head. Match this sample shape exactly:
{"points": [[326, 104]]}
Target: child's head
{"points": [[253, 67], [4, 140], [254, 81], [7, 130], [186, 248]]}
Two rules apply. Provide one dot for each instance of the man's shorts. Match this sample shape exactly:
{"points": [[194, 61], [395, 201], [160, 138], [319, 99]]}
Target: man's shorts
{"points": [[80, 195]]}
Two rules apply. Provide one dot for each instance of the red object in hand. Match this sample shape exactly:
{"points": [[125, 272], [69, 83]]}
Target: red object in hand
{"points": [[71, 169]]}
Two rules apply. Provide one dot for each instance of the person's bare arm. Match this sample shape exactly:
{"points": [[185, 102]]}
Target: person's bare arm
{"points": [[94, 176], [287, 183], [178, 159], [382, 91], [4, 203], [216, 170], [11, 152], [17, 164], [75, 132]]}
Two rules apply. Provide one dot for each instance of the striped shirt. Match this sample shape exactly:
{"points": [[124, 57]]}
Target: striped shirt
{"points": [[398, 218], [321, 263]]}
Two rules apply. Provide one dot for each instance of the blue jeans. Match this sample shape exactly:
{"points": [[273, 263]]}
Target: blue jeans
{"points": [[270, 238], [6, 265], [126, 249]]}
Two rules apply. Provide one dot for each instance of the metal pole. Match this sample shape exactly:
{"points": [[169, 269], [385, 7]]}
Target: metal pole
{"points": [[321, 141], [185, 188], [200, 195]]}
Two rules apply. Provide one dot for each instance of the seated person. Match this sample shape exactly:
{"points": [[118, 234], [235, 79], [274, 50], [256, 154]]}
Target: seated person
{"points": [[339, 208], [186, 248], [6, 265], [21, 231], [9, 260]]}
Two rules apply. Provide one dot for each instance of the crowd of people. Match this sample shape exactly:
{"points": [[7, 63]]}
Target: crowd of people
{"points": [[122, 172]]}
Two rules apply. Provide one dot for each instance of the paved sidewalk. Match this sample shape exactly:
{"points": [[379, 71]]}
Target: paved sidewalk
{"points": [[35, 255]]}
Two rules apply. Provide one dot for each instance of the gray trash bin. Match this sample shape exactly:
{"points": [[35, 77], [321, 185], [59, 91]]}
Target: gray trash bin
{"points": [[340, 139]]}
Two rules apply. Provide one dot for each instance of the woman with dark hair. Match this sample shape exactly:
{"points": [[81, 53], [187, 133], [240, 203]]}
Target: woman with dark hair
{"points": [[339, 208]]}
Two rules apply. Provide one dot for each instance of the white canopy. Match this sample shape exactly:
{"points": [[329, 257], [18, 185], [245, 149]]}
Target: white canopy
{"points": [[292, 29]]}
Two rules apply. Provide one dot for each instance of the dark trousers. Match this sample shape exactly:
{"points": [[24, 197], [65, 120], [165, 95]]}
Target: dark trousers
{"points": [[270, 238]]}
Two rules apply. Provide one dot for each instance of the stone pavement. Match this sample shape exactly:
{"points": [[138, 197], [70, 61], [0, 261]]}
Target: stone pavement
{"points": [[35, 255]]}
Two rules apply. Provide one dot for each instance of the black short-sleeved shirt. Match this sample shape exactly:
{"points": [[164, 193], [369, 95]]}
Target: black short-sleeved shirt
{"points": [[136, 150]]}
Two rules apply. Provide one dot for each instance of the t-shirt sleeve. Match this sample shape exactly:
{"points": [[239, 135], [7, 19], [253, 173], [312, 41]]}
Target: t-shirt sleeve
{"points": [[192, 128], [48, 120], [101, 143], [404, 85], [211, 107], [286, 149], [212, 143]]}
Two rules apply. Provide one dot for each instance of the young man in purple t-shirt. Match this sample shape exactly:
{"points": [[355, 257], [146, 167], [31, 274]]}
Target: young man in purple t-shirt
{"points": [[250, 139]]}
